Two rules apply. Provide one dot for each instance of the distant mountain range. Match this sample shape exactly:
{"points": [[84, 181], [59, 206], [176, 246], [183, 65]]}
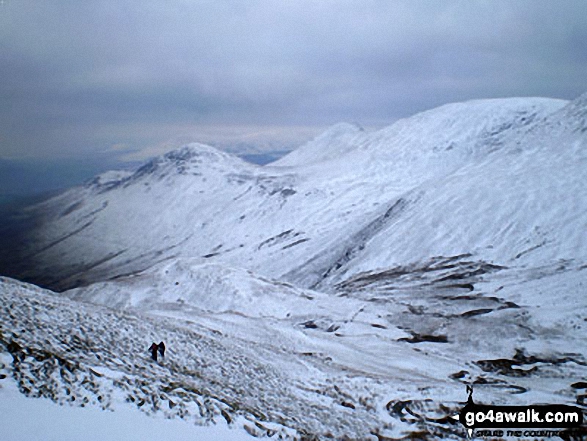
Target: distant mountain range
{"points": [[502, 180]]}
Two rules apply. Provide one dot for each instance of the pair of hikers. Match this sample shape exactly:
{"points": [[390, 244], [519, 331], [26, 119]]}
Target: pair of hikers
{"points": [[157, 348]]}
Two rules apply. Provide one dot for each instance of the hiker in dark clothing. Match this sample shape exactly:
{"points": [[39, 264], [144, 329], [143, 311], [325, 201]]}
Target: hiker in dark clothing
{"points": [[162, 349], [154, 348]]}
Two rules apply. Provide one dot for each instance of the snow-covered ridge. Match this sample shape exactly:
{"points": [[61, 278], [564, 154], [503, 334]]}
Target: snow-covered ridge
{"points": [[191, 158], [195, 155], [519, 205], [334, 142], [190, 283], [476, 126], [347, 202]]}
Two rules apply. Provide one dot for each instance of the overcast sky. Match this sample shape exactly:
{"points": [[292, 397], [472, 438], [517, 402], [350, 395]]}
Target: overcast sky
{"points": [[131, 79]]}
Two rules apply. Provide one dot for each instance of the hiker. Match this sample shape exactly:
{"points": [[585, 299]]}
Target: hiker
{"points": [[162, 349], [154, 348]]}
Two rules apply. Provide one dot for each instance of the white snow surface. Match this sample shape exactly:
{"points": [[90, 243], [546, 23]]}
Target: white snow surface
{"points": [[351, 289], [30, 419]]}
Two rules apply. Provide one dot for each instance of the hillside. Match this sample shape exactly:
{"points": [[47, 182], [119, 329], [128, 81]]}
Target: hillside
{"points": [[304, 217], [351, 290], [377, 360]]}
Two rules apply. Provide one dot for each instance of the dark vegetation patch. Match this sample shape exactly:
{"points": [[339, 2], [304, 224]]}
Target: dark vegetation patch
{"points": [[287, 192], [420, 338], [438, 272], [310, 324], [467, 286], [459, 375], [297, 242], [519, 364], [275, 239], [509, 305], [475, 312]]}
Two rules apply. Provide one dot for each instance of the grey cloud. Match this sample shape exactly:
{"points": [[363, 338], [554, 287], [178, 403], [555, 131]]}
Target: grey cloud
{"points": [[80, 76]]}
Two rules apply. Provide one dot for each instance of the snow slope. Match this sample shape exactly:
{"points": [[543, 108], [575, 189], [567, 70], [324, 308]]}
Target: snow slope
{"points": [[24, 418], [389, 355], [295, 220], [521, 206]]}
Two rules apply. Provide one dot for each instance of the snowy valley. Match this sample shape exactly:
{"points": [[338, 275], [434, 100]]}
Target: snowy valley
{"points": [[350, 290]]}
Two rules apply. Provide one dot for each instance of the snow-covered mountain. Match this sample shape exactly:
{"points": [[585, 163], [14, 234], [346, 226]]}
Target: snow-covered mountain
{"points": [[351, 289], [345, 196]]}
